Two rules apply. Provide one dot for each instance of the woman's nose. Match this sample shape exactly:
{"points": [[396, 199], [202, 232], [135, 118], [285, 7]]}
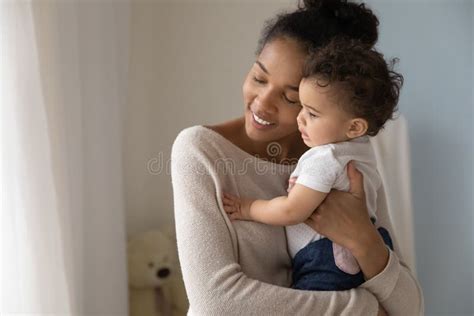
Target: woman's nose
{"points": [[266, 102]]}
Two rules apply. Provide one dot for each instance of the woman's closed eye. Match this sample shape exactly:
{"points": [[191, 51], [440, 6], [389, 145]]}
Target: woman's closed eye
{"points": [[289, 100], [258, 80]]}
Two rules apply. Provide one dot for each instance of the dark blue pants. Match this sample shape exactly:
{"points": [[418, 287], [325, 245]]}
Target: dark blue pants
{"points": [[314, 268]]}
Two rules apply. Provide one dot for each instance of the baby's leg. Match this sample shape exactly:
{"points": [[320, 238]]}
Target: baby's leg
{"points": [[325, 266], [344, 259]]}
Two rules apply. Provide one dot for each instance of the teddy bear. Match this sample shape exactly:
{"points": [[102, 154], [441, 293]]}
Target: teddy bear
{"points": [[155, 284]]}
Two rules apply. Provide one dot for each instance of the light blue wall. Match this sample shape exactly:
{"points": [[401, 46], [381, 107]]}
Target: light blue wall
{"points": [[434, 40]]}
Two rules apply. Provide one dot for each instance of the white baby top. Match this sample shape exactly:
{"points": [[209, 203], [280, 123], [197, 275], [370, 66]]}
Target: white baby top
{"points": [[322, 168]]}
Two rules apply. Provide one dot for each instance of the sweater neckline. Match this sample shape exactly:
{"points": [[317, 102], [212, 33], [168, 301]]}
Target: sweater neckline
{"points": [[243, 152]]}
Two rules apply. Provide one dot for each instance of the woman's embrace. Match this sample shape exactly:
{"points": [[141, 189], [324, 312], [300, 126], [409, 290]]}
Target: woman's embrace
{"points": [[242, 267]]}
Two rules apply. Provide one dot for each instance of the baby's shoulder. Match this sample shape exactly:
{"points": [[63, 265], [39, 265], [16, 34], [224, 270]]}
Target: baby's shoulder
{"points": [[327, 151]]}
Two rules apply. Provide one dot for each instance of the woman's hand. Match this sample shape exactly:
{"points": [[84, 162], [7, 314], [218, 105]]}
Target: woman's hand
{"points": [[344, 219], [343, 216], [382, 311]]}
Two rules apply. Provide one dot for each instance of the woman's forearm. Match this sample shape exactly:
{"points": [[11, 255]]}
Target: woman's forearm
{"points": [[371, 253]]}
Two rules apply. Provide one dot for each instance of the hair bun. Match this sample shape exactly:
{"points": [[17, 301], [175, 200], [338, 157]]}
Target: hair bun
{"points": [[359, 20], [332, 8], [327, 5]]}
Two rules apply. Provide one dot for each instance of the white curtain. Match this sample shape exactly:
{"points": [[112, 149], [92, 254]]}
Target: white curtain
{"points": [[63, 70], [392, 150]]}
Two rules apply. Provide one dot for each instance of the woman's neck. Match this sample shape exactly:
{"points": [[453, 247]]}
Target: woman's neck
{"points": [[286, 150]]}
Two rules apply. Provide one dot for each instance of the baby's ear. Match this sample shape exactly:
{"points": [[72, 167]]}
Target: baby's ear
{"points": [[357, 127]]}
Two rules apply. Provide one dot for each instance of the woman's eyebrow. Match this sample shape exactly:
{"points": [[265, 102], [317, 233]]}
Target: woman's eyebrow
{"points": [[263, 67]]}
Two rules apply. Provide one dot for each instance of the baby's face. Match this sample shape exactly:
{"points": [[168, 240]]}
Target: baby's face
{"points": [[321, 120]]}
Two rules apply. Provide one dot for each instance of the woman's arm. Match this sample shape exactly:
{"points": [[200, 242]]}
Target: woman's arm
{"points": [[215, 283], [395, 287], [344, 219]]}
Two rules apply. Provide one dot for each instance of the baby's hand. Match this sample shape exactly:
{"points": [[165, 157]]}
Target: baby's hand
{"points": [[291, 183], [235, 207]]}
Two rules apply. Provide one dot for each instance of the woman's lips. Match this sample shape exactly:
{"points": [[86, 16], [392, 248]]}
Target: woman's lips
{"points": [[261, 119], [258, 125]]}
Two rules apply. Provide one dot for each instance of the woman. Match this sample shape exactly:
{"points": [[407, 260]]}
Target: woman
{"points": [[243, 267]]}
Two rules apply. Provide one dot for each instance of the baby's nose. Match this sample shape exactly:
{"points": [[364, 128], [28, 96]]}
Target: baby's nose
{"points": [[299, 119]]}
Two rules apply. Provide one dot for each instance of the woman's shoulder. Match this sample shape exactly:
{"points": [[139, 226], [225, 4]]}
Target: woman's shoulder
{"points": [[190, 134], [230, 130], [191, 141], [199, 136]]}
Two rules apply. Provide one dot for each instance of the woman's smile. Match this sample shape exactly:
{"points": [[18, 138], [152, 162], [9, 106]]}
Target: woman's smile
{"points": [[260, 123], [260, 120]]}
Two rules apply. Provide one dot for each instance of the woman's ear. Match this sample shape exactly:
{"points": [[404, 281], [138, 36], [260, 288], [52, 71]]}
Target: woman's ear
{"points": [[357, 127]]}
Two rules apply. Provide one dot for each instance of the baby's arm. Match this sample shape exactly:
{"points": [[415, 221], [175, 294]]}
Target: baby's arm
{"points": [[283, 210]]}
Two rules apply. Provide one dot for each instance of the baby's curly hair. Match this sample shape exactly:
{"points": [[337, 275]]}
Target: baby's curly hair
{"points": [[369, 87]]}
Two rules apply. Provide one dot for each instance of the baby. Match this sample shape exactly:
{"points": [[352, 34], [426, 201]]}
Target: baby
{"points": [[347, 94]]}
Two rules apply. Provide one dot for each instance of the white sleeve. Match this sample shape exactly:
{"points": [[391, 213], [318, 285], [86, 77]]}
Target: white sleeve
{"points": [[320, 169], [214, 281]]}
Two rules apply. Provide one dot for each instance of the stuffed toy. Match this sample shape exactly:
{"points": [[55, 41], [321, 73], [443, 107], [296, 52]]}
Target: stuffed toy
{"points": [[155, 284]]}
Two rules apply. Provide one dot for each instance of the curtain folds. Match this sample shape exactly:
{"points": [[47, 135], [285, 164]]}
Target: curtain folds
{"points": [[63, 74]]}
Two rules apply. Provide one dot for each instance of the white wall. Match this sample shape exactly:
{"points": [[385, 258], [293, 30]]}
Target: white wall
{"points": [[188, 61]]}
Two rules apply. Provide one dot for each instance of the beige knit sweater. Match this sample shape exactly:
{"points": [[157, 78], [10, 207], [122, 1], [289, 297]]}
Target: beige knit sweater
{"points": [[243, 268]]}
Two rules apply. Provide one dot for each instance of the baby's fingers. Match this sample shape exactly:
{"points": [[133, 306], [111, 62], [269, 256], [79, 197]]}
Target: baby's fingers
{"points": [[229, 196], [234, 216], [227, 201], [229, 209]]}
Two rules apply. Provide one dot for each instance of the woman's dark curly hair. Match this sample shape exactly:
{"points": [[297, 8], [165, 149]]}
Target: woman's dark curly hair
{"points": [[367, 86], [316, 22]]}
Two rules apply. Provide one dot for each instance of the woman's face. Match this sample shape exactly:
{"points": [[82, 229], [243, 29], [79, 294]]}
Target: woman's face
{"points": [[270, 91]]}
